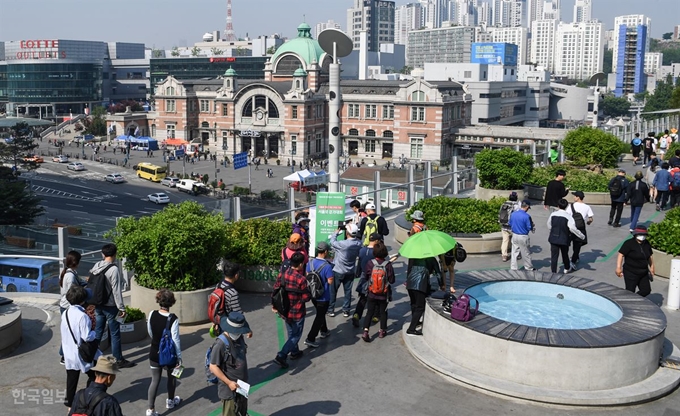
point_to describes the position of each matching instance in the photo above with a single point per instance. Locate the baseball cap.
(370, 206)
(374, 237)
(352, 229)
(295, 238)
(621, 170)
(526, 203)
(579, 194)
(323, 246)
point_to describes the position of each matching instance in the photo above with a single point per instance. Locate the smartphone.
(341, 225)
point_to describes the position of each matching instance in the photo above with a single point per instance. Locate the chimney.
(363, 54)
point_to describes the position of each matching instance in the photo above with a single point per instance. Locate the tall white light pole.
(335, 43)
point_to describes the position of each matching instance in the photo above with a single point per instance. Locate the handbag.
(87, 350)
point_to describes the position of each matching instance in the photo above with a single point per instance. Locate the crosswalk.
(64, 194)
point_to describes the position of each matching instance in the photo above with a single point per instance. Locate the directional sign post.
(241, 161)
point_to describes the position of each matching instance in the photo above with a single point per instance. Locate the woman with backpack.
(68, 277)
(380, 275)
(157, 323)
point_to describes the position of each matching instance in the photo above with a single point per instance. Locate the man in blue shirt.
(662, 182)
(325, 270)
(521, 224)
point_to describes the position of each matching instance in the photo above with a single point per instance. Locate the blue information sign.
(240, 160)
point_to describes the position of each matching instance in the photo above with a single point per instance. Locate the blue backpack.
(167, 353)
(209, 376)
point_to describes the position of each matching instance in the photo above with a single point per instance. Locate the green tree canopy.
(615, 106)
(503, 169)
(667, 36)
(20, 145)
(661, 99)
(96, 122)
(18, 205)
(177, 248)
(587, 145)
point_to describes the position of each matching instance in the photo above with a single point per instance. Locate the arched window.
(353, 132)
(170, 91)
(228, 83)
(272, 110)
(288, 65)
(247, 108)
(418, 96)
(297, 84)
(205, 125)
(370, 133)
(388, 133)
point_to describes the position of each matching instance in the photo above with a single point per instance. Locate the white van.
(192, 187)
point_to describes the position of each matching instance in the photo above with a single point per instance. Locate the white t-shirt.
(583, 209)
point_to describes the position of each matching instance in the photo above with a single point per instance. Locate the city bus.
(151, 172)
(29, 275)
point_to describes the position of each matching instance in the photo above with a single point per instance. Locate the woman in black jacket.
(418, 286)
(638, 194)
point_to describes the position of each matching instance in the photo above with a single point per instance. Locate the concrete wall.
(10, 329)
(190, 307)
(662, 263)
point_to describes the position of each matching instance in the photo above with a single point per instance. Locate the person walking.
(636, 148)
(675, 185)
(359, 213)
(662, 183)
(94, 400)
(344, 272)
(508, 207)
(228, 362)
(372, 223)
(648, 146)
(298, 294)
(638, 194)
(583, 216)
(76, 328)
(555, 191)
(418, 223)
(520, 225)
(324, 268)
(618, 193)
(649, 179)
(380, 275)
(157, 321)
(418, 287)
(113, 307)
(560, 227)
(635, 262)
(365, 255)
(68, 278)
(230, 301)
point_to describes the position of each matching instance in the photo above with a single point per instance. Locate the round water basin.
(544, 305)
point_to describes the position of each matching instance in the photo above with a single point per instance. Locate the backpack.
(285, 265)
(676, 180)
(578, 218)
(314, 280)
(370, 228)
(663, 142)
(280, 300)
(216, 306)
(504, 213)
(167, 352)
(460, 310)
(98, 284)
(209, 376)
(616, 187)
(377, 283)
(81, 408)
(459, 253)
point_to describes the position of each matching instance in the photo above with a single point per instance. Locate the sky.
(163, 24)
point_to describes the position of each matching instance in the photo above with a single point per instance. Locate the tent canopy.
(308, 177)
(175, 142)
(144, 142)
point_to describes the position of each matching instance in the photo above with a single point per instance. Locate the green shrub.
(671, 150)
(586, 145)
(665, 235)
(577, 179)
(241, 191)
(177, 248)
(256, 241)
(133, 315)
(454, 215)
(269, 194)
(503, 169)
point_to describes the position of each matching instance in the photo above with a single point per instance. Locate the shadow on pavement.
(328, 407)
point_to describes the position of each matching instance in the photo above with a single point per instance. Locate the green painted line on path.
(618, 246)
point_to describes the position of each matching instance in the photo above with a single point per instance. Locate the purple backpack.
(460, 310)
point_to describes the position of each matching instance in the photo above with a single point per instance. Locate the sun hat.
(417, 215)
(106, 364)
(234, 323)
(640, 230)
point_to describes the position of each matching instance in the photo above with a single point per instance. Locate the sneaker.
(331, 314)
(345, 314)
(355, 322)
(151, 412)
(610, 222)
(414, 333)
(170, 404)
(125, 363)
(570, 270)
(325, 334)
(505, 258)
(382, 333)
(281, 362)
(296, 355)
(630, 230)
(375, 319)
(366, 337)
(61, 361)
(658, 207)
(617, 225)
(311, 344)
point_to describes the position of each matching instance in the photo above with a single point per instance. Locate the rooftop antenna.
(229, 32)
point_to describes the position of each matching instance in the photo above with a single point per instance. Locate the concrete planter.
(591, 198)
(662, 263)
(473, 243)
(11, 329)
(133, 332)
(535, 192)
(190, 307)
(487, 194)
(258, 279)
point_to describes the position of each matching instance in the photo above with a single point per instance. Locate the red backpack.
(377, 283)
(216, 307)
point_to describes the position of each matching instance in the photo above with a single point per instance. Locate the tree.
(587, 145)
(195, 51)
(615, 107)
(17, 204)
(675, 97)
(503, 169)
(96, 123)
(177, 248)
(216, 51)
(667, 36)
(120, 106)
(271, 50)
(608, 60)
(175, 51)
(661, 99)
(406, 69)
(20, 144)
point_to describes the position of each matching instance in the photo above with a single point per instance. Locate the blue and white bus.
(29, 275)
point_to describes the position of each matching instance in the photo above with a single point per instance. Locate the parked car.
(75, 166)
(159, 198)
(170, 181)
(60, 159)
(34, 159)
(115, 178)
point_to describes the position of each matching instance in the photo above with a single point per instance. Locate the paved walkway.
(345, 376)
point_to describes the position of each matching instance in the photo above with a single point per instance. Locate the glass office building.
(247, 67)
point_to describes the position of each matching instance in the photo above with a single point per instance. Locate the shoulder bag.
(86, 349)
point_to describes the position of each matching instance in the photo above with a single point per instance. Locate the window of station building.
(353, 110)
(371, 111)
(171, 131)
(388, 134)
(319, 141)
(205, 106)
(369, 146)
(417, 113)
(205, 125)
(288, 65)
(353, 132)
(272, 109)
(170, 106)
(293, 144)
(417, 96)
(225, 139)
(169, 90)
(370, 133)
(417, 147)
(192, 105)
(225, 110)
(308, 112)
(388, 112)
(293, 112)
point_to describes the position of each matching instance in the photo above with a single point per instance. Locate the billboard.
(494, 53)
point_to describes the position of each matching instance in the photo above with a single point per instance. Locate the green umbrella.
(429, 243)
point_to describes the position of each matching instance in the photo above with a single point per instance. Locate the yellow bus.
(151, 172)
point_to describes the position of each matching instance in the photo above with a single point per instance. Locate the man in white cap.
(229, 364)
(94, 400)
(372, 223)
(344, 268)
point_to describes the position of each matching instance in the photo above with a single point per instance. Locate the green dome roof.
(303, 45)
(300, 73)
(230, 72)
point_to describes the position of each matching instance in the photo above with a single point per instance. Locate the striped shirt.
(231, 300)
